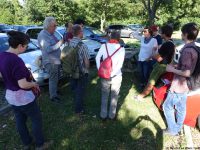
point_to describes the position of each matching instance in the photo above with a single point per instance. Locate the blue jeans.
(21, 114)
(145, 68)
(177, 100)
(54, 73)
(78, 87)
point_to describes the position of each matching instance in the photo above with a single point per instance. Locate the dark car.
(94, 34)
(20, 28)
(123, 29)
(4, 28)
(136, 27)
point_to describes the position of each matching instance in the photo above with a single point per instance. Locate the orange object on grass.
(193, 102)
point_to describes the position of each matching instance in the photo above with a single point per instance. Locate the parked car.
(29, 57)
(92, 45)
(94, 34)
(178, 50)
(125, 31)
(4, 28)
(88, 32)
(20, 28)
(136, 27)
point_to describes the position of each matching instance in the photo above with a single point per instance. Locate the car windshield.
(135, 26)
(31, 47)
(62, 31)
(33, 33)
(4, 45)
(98, 32)
(87, 33)
(2, 27)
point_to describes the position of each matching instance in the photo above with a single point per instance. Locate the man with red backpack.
(109, 61)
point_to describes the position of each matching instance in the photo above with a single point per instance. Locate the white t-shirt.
(20, 97)
(117, 58)
(147, 50)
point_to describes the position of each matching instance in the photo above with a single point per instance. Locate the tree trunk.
(103, 20)
(152, 17)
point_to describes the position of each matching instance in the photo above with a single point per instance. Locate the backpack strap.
(116, 51)
(113, 53)
(194, 47)
(107, 49)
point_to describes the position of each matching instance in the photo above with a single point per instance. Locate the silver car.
(125, 31)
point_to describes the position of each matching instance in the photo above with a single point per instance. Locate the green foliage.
(180, 12)
(101, 13)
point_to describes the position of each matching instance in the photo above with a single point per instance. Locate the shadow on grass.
(71, 132)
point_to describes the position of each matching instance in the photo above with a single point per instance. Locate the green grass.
(138, 125)
(132, 130)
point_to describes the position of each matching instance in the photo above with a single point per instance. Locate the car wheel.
(131, 36)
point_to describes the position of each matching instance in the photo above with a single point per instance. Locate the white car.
(178, 50)
(92, 45)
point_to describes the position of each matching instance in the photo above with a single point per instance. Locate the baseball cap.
(154, 28)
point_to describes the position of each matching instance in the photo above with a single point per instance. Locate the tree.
(62, 10)
(151, 6)
(103, 10)
(6, 12)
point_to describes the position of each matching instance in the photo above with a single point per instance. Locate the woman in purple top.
(18, 90)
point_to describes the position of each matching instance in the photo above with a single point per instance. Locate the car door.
(126, 31)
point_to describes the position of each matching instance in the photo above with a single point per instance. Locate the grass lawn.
(138, 125)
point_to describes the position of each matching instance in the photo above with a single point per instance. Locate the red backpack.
(105, 68)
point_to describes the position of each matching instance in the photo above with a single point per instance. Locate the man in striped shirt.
(79, 85)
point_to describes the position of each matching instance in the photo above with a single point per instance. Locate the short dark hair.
(167, 30)
(79, 21)
(15, 38)
(115, 35)
(166, 51)
(66, 24)
(191, 29)
(149, 30)
(76, 29)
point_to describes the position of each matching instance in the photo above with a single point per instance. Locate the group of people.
(161, 56)
(155, 58)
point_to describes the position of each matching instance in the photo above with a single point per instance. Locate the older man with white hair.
(51, 52)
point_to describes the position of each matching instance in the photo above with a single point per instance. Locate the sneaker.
(56, 100)
(113, 119)
(167, 132)
(59, 93)
(103, 119)
(45, 146)
(27, 147)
